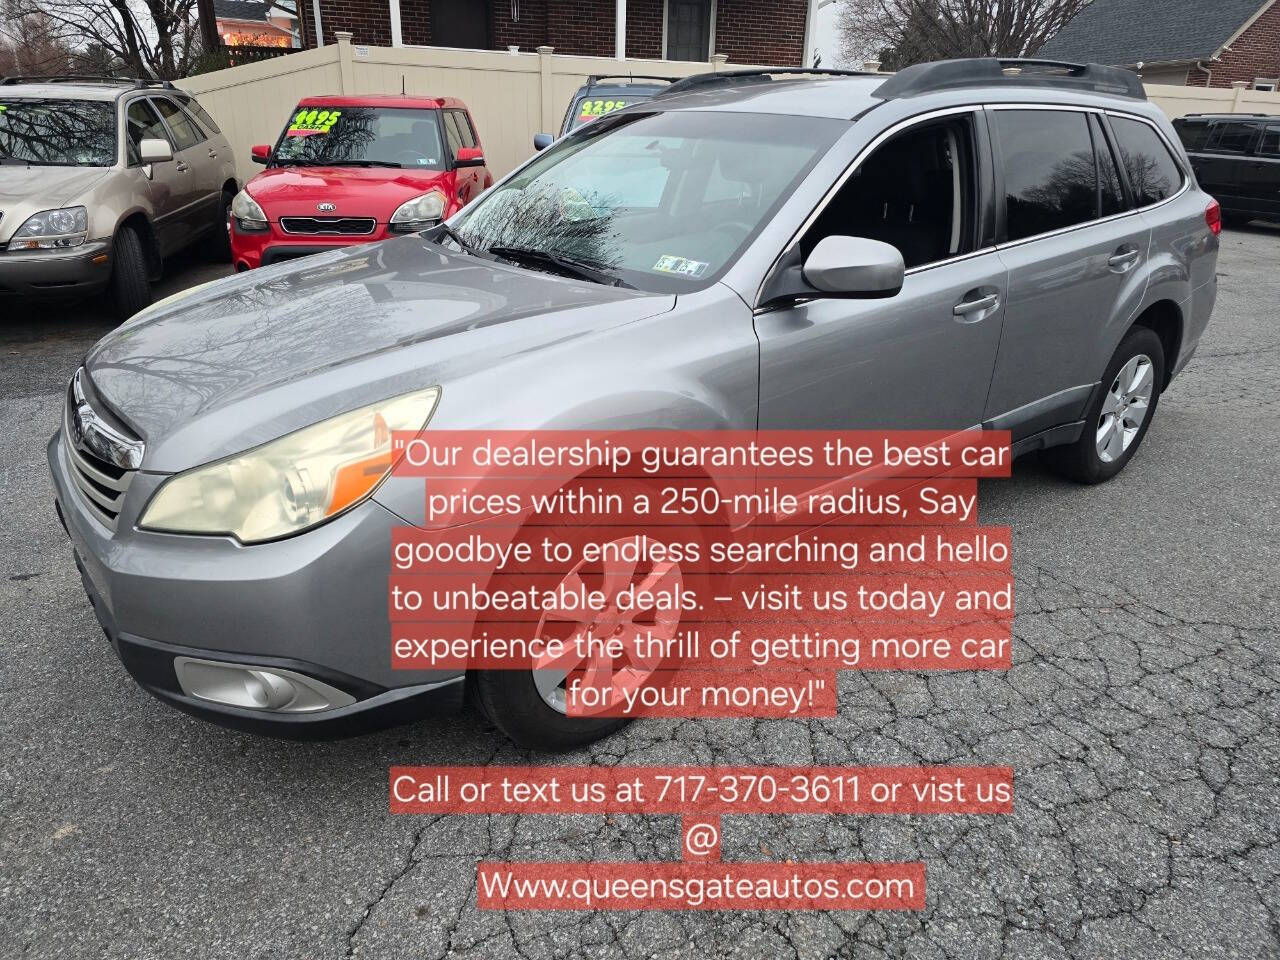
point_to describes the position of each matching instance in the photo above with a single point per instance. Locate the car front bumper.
(314, 604)
(252, 250)
(70, 272)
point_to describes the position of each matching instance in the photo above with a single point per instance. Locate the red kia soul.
(349, 170)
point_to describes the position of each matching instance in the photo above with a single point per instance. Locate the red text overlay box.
(700, 886)
(688, 790)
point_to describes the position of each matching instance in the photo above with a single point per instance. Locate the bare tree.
(149, 38)
(30, 43)
(903, 32)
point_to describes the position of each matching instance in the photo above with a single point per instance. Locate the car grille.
(101, 458)
(338, 226)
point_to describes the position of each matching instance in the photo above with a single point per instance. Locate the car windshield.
(58, 133)
(661, 201)
(362, 136)
(594, 107)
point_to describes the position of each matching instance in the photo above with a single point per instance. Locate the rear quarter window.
(1194, 134)
(1050, 175)
(1153, 173)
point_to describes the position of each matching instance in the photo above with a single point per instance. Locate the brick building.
(1197, 43)
(772, 32)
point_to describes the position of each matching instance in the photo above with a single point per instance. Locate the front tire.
(217, 245)
(1118, 418)
(130, 287)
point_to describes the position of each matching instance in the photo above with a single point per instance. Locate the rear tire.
(217, 245)
(130, 286)
(1119, 416)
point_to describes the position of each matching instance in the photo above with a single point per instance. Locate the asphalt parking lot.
(1142, 719)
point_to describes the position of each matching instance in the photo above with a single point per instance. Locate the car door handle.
(213, 155)
(1123, 259)
(181, 167)
(967, 308)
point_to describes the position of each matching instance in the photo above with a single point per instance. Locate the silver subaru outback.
(100, 180)
(1000, 244)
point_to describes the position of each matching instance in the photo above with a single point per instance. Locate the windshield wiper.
(566, 266)
(358, 163)
(444, 230)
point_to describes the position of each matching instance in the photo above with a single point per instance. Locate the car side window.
(1193, 133)
(1050, 175)
(1153, 173)
(200, 114)
(917, 191)
(1270, 145)
(1231, 136)
(142, 123)
(466, 133)
(1110, 193)
(451, 134)
(185, 134)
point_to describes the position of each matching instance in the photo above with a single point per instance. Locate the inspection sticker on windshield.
(311, 121)
(681, 265)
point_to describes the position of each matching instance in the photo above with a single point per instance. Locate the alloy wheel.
(1125, 408)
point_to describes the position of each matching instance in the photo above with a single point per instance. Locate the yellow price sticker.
(311, 120)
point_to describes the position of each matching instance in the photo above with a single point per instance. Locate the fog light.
(270, 689)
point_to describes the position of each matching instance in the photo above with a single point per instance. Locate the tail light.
(1213, 217)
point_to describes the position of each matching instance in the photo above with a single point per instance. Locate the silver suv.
(982, 243)
(100, 180)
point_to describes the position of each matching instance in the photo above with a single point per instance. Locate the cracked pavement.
(1140, 717)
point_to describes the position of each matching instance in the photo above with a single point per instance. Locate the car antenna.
(402, 93)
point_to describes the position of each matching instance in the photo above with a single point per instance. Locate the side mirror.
(469, 157)
(261, 153)
(542, 140)
(855, 267)
(155, 150)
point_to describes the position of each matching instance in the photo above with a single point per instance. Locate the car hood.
(353, 191)
(26, 190)
(249, 358)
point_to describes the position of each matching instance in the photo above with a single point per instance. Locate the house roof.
(1124, 32)
(255, 10)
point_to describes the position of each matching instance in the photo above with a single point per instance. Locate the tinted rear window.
(1193, 133)
(1231, 136)
(1051, 180)
(1153, 173)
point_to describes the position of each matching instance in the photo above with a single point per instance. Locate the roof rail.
(703, 81)
(85, 78)
(600, 77)
(991, 71)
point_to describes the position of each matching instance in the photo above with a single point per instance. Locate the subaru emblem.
(326, 207)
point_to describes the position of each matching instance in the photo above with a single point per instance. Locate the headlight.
(418, 213)
(293, 483)
(248, 215)
(52, 229)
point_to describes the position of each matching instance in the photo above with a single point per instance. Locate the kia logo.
(326, 207)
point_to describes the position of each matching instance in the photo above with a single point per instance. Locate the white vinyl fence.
(511, 96)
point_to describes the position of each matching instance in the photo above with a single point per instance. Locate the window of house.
(1110, 194)
(185, 134)
(142, 123)
(689, 24)
(1153, 173)
(1268, 85)
(916, 192)
(1231, 136)
(1050, 174)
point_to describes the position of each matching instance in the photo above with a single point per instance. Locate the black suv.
(1236, 157)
